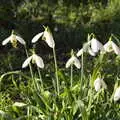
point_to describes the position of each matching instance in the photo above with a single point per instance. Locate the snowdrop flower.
(99, 83)
(84, 49)
(96, 45)
(47, 36)
(80, 52)
(13, 39)
(35, 59)
(117, 94)
(73, 60)
(92, 47)
(91, 52)
(111, 46)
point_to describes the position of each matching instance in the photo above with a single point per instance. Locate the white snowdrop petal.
(108, 46)
(69, 62)
(97, 84)
(80, 52)
(117, 94)
(115, 48)
(38, 61)
(86, 46)
(21, 40)
(36, 37)
(49, 39)
(26, 62)
(103, 84)
(6, 40)
(96, 45)
(77, 63)
(91, 52)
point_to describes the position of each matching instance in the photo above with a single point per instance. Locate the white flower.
(91, 52)
(96, 45)
(13, 39)
(84, 49)
(111, 46)
(92, 47)
(73, 60)
(35, 59)
(86, 46)
(117, 94)
(99, 83)
(80, 52)
(36, 37)
(47, 36)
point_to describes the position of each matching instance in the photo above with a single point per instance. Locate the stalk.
(40, 76)
(71, 77)
(30, 67)
(56, 69)
(81, 72)
(31, 72)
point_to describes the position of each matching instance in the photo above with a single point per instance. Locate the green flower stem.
(71, 77)
(40, 76)
(82, 72)
(29, 63)
(31, 72)
(56, 70)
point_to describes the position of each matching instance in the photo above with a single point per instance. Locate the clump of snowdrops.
(80, 91)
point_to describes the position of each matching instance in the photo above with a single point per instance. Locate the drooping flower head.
(80, 52)
(47, 36)
(13, 39)
(117, 94)
(84, 49)
(96, 45)
(99, 83)
(35, 59)
(93, 46)
(110, 46)
(73, 61)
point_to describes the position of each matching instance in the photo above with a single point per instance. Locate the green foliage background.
(69, 20)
